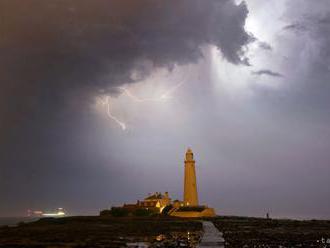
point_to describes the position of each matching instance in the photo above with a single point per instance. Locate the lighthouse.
(190, 197)
(190, 207)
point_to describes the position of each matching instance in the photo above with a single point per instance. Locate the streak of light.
(171, 90)
(163, 97)
(138, 99)
(58, 214)
(106, 102)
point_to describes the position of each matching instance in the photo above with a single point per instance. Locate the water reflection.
(174, 239)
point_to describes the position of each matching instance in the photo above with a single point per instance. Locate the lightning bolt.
(138, 99)
(171, 90)
(163, 97)
(106, 102)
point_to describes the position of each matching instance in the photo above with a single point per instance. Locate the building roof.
(155, 196)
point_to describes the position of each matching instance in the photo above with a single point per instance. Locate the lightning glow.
(138, 99)
(106, 103)
(165, 96)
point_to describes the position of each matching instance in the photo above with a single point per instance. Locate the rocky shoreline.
(102, 232)
(243, 232)
(162, 231)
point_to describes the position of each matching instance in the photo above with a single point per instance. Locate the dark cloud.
(57, 55)
(296, 27)
(267, 72)
(310, 52)
(265, 45)
(51, 50)
(325, 19)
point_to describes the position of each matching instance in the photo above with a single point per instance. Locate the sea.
(13, 221)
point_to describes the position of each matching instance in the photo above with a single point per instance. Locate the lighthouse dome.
(189, 155)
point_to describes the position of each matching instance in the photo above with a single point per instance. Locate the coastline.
(14, 221)
(98, 231)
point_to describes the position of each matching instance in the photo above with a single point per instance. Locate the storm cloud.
(253, 105)
(51, 50)
(265, 45)
(77, 39)
(267, 72)
(57, 55)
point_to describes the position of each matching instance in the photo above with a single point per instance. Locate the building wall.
(207, 212)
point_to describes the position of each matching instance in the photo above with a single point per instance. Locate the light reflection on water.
(174, 239)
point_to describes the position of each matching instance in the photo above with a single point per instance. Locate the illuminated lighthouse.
(190, 197)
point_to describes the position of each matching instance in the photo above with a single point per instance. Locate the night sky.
(99, 100)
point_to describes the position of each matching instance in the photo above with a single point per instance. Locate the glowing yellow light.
(160, 237)
(58, 214)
